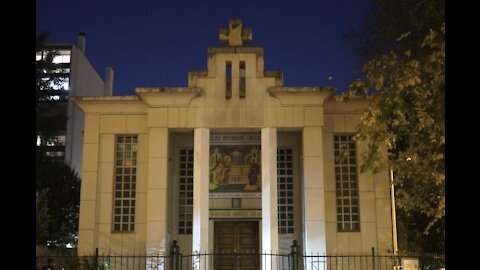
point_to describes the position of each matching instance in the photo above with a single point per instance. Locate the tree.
(406, 116)
(387, 20)
(42, 217)
(393, 40)
(62, 201)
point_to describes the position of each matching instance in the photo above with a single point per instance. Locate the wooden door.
(236, 245)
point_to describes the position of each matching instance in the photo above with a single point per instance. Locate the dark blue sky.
(155, 43)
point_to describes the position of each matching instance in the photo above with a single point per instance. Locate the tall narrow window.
(346, 183)
(125, 183)
(242, 79)
(285, 190)
(185, 204)
(228, 80)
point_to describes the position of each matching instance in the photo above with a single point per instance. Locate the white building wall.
(374, 195)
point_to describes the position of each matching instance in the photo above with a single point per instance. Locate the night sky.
(156, 43)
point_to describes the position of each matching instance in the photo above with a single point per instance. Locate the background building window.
(125, 183)
(62, 57)
(59, 56)
(285, 190)
(346, 183)
(185, 204)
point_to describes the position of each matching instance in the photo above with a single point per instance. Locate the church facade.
(234, 161)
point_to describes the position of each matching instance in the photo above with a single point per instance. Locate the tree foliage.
(401, 46)
(62, 201)
(406, 116)
(42, 216)
(389, 19)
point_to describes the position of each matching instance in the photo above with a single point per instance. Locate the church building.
(236, 160)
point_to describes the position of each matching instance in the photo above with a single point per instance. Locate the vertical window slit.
(228, 80)
(242, 80)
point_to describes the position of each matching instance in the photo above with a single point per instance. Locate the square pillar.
(313, 191)
(88, 189)
(269, 195)
(156, 227)
(201, 155)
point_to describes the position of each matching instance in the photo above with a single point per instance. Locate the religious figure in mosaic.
(254, 153)
(235, 169)
(221, 170)
(253, 175)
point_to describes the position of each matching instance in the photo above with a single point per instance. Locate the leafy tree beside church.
(404, 42)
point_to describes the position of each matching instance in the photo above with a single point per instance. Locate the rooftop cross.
(234, 34)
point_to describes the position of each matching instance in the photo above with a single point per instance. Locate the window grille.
(286, 222)
(185, 204)
(125, 183)
(346, 183)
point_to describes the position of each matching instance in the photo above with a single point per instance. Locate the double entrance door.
(236, 245)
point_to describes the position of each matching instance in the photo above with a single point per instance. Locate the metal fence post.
(174, 255)
(95, 260)
(235, 260)
(373, 258)
(294, 254)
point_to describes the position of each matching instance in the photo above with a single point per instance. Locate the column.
(313, 191)
(87, 241)
(156, 227)
(200, 194)
(269, 195)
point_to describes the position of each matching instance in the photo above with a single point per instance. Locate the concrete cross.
(234, 34)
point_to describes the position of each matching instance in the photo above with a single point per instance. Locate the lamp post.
(394, 214)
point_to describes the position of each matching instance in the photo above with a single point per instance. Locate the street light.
(394, 215)
(394, 212)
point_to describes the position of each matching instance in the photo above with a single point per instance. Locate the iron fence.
(232, 260)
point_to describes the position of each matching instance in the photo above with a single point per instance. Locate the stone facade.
(166, 120)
